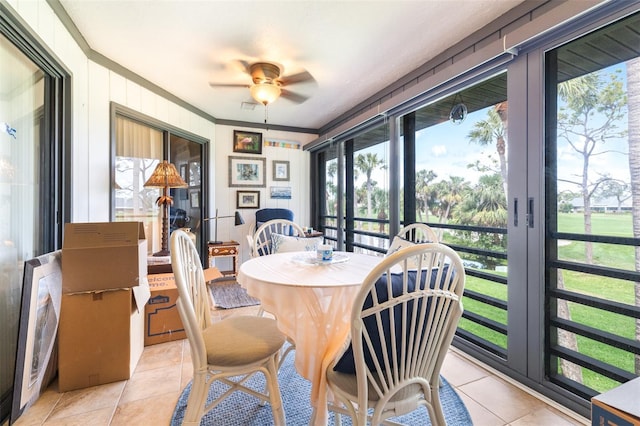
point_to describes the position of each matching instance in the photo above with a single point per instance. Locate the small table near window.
(225, 249)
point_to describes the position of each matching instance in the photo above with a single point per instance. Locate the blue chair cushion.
(265, 215)
(346, 364)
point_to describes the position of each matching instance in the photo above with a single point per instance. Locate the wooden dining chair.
(402, 323)
(234, 346)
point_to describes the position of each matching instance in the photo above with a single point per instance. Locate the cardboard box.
(162, 321)
(103, 255)
(619, 406)
(101, 336)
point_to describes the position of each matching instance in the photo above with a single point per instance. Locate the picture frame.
(194, 174)
(247, 142)
(247, 171)
(36, 363)
(194, 199)
(248, 199)
(280, 192)
(280, 170)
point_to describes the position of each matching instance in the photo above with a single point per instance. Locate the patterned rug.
(240, 409)
(229, 295)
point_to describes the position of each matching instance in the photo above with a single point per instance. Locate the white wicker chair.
(235, 346)
(419, 233)
(406, 320)
(262, 244)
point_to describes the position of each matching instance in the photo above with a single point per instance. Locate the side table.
(225, 249)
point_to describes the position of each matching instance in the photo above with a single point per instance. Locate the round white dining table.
(312, 305)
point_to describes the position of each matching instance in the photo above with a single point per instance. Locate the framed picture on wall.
(247, 171)
(247, 142)
(194, 199)
(281, 192)
(248, 199)
(194, 173)
(280, 170)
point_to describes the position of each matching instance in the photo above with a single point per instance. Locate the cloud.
(439, 150)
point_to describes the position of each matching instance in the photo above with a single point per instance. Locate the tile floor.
(149, 397)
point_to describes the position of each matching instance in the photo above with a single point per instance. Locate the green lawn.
(609, 255)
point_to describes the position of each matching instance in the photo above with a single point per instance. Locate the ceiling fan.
(268, 84)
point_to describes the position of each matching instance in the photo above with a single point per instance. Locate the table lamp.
(165, 176)
(238, 221)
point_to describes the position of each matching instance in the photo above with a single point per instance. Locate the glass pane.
(596, 192)
(138, 151)
(371, 190)
(21, 115)
(186, 211)
(461, 191)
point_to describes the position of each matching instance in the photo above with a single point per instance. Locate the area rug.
(240, 409)
(229, 295)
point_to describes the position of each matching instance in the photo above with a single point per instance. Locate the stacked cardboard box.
(105, 289)
(162, 321)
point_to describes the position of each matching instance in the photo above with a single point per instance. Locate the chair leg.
(197, 400)
(274, 393)
(436, 414)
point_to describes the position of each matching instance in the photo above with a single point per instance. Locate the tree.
(633, 91)
(615, 189)
(331, 191)
(367, 163)
(484, 205)
(589, 118)
(423, 182)
(450, 194)
(494, 128)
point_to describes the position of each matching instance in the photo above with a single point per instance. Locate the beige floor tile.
(150, 411)
(101, 417)
(160, 355)
(458, 371)
(40, 410)
(89, 399)
(501, 398)
(150, 383)
(480, 415)
(545, 416)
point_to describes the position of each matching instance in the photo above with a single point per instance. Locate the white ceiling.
(352, 48)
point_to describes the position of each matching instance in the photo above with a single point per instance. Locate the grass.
(609, 255)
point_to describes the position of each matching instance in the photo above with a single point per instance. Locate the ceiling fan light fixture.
(265, 93)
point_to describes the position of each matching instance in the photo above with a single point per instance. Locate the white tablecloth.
(312, 305)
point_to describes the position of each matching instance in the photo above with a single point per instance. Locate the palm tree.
(331, 191)
(367, 163)
(423, 189)
(633, 94)
(494, 128)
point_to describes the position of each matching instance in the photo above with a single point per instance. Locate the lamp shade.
(239, 220)
(165, 176)
(265, 93)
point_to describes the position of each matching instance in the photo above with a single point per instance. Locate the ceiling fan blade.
(246, 86)
(293, 97)
(242, 65)
(301, 77)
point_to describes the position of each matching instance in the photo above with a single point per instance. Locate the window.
(33, 91)
(140, 144)
(593, 163)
